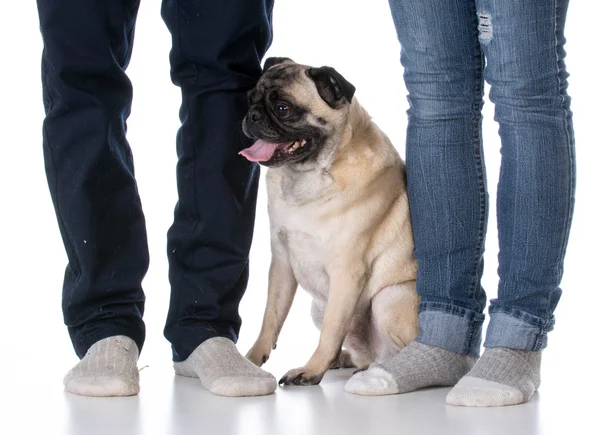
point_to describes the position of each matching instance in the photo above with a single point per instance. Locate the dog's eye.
(282, 110)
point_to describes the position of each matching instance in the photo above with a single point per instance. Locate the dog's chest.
(307, 253)
(297, 204)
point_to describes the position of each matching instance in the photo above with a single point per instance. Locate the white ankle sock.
(109, 368)
(224, 371)
(414, 367)
(501, 377)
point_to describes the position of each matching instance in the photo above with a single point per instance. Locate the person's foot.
(414, 367)
(501, 377)
(109, 368)
(224, 371)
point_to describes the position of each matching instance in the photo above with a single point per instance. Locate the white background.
(355, 37)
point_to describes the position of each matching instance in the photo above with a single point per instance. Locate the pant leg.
(523, 43)
(215, 60)
(443, 66)
(89, 166)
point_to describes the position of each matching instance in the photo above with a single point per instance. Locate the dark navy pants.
(215, 59)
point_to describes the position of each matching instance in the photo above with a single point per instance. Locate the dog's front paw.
(259, 353)
(301, 376)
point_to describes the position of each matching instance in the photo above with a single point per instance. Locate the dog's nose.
(255, 115)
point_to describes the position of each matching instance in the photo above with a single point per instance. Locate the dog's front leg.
(346, 286)
(282, 288)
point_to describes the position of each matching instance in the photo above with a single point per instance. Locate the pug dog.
(339, 219)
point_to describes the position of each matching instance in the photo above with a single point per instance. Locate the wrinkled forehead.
(289, 83)
(284, 73)
(282, 81)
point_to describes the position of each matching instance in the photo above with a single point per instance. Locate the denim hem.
(450, 327)
(516, 329)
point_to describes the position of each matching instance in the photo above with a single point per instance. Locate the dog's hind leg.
(394, 323)
(344, 361)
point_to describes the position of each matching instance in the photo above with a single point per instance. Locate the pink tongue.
(261, 151)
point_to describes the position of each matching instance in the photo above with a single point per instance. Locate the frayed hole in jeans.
(486, 31)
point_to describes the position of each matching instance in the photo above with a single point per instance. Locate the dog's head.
(296, 112)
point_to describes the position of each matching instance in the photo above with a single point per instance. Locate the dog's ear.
(272, 61)
(333, 88)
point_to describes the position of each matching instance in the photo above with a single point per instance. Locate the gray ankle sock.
(109, 368)
(501, 377)
(414, 367)
(224, 371)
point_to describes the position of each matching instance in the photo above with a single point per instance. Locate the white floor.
(35, 348)
(179, 406)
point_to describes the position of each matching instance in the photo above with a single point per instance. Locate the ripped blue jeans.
(448, 49)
